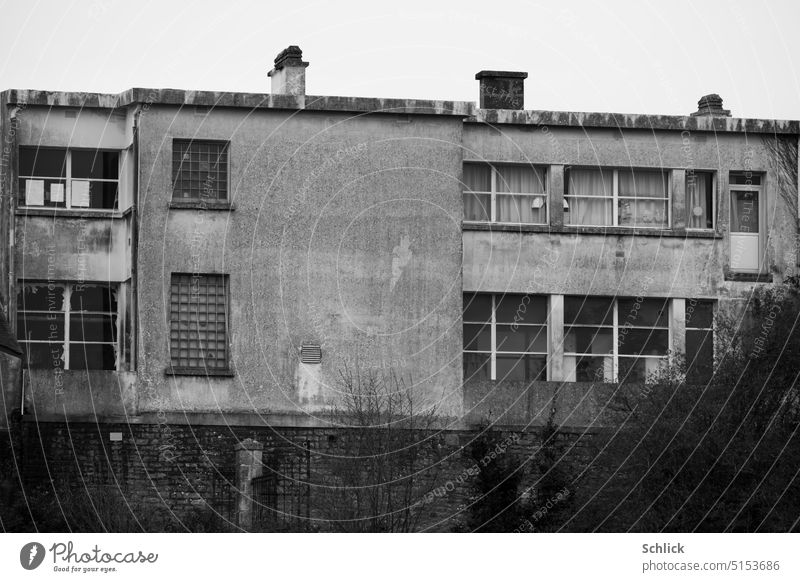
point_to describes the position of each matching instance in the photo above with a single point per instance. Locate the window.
(199, 170)
(198, 322)
(699, 200)
(746, 233)
(68, 178)
(605, 197)
(505, 337)
(607, 339)
(699, 341)
(508, 194)
(70, 326)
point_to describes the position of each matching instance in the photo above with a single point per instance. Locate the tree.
(722, 456)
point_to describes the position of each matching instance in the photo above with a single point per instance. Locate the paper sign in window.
(34, 192)
(56, 192)
(80, 194)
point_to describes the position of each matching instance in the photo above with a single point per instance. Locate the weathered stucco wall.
(679, 265)
(346, 232)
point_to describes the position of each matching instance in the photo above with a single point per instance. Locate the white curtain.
(642, 184)
(477, 178)
(595, 189)
(698, 202)
(520, 180)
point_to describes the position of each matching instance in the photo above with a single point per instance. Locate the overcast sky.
(630, 57)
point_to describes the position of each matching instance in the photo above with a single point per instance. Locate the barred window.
(68, 326)
(199, 170)
(198, 322)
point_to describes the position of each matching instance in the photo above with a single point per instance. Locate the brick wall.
(179, 477)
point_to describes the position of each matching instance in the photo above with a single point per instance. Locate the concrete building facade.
(195, 259)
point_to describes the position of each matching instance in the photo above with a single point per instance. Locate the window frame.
(200, 199)
(694, 328)
(68, 179)
(615, 197)
(66, 311)
(760, 190)
(493, 351)
(494, 192)
(223, 370)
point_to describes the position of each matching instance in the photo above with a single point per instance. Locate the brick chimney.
(711, 106)
(289, 73)
(502, 89)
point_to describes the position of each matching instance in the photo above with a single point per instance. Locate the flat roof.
(468, 110)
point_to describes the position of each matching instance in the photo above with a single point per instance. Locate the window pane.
(477, 207)
(588, 310)
(699, 314)
(44, 192)
(520, 179)
(589, 211)
(40, 326)
(521, 309)
(44, 356)
(521, 368)
(638, 369)
(40, 297)
(478, 177)
(93, 327)
(643, 342)
(643, 213)
(95, 164)
(478, 337)
(589, 368)
(745, 179)
(93, 298)
(477, 307)
(476, 366)
(589, 340)
(521, 209)
(699, 200)
(42, 162)
(590, 182)
(525, 338)
(91, 357)
(744, 211)
(643, 183)
(699, 356)
(645, 313)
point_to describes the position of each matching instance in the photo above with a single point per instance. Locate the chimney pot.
(502, 89)
(289, 73)
(711, 106)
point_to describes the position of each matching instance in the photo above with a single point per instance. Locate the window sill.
(71, 212)
(571, 229)
(175, 371)
(200, 205)
(748, 277)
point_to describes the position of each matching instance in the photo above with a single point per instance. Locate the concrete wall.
(345, 232)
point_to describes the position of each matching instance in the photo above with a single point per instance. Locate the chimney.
(711, 106)
(289, 74)
(502, 89)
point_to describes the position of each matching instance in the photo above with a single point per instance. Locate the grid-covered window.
(198, 322)
(199, 170)
(513, 194)
(68, 178)
(608, 197)
(606, 339)
(699, 341)
(505, 337)
(71, 326)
